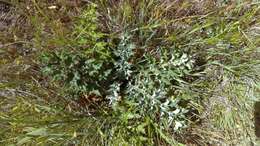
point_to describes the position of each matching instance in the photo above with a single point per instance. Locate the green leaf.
(38, 132)
(23, 141)
(128, 116)
(141, 128)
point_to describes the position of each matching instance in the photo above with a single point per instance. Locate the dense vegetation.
(129, 72)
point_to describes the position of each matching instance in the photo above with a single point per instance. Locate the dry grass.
(228, 88)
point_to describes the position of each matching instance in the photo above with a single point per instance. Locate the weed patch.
(135, 73)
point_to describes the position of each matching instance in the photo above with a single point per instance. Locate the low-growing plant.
(118, 72)
(151, 68)
(166, 72)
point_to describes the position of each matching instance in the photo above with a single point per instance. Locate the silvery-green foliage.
(94, 66)
(113, 95)
(152, 87)
(124, 52)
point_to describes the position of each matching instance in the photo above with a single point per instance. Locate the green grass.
(213, 93)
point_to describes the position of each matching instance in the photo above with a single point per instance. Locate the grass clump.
(144, 73)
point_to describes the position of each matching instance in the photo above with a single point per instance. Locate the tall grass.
(157, 73)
